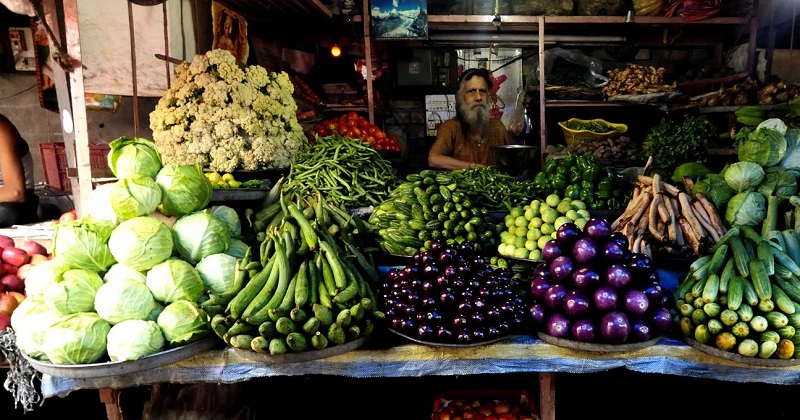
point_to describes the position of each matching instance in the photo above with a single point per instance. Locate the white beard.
(475, 117)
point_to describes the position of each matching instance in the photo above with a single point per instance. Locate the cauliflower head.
(226, 116)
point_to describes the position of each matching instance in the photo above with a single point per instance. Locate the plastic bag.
(593, 76)
(517, 122)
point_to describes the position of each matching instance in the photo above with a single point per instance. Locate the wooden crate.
(54, 163)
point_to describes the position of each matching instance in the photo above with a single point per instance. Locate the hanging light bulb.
(335, 50)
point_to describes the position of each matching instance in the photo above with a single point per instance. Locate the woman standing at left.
(18, 203)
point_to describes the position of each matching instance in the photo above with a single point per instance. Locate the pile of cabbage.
(768, 166)
(123, 283)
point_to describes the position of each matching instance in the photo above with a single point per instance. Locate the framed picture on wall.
(399, 19)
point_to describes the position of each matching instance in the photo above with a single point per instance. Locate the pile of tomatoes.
(357, 127)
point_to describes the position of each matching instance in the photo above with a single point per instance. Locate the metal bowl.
(514, 159)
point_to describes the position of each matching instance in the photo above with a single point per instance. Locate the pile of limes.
(532, 225)
(225, 180)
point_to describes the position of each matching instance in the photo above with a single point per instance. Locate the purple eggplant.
(636, 302)
(585, 278)
(615, 327)
(598, 229)
(558, 325)
(605, 298)
(584, 330)
(585, 251)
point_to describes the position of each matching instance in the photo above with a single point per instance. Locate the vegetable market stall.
(518, 354)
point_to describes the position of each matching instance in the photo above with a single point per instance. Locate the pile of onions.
(591, 288)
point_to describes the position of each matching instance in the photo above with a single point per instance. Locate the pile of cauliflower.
(225, 116)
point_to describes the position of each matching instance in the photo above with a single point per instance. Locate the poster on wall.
(399, 19)
(230, 32)
(505, 71)
(48, 98)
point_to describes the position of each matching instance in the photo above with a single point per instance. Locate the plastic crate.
(54, 162)
(571, 136)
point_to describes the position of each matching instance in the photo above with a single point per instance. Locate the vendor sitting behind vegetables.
(466, 140)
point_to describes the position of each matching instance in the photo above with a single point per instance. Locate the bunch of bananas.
(750, 115)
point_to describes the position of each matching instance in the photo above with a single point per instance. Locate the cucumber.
(766, 349)
(718, 259)
(740, 256)
(749, 292)
(759, 323)
(711, 288)
(784, 259)
(764, 253)
(760, 278)
(728, 317)
(776, 319)
(792, 244)
(297, 342)
(727, 272)
(782, 301)
(735, 293)
(787, 331)
(740, 329)
(725, 341)
(770, 335)
(748, 347)
(745, 312)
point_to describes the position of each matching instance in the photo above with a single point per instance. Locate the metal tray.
(435, 344)
(96, 370)
(736, 357)
(303, 356)
(596, 347)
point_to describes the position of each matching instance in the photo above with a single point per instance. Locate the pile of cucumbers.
(308, 287)
(744, 297)
(431, 206)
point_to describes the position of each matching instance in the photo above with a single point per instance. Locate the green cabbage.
(217, 272)
(764, 146)
(123, 271)
(715, 189)
(98, 204)
(123, 299)
(175, 279)
(83, 243)
(30, 320)
(153, 315)
(230, 217)
(185, 189)
(141, 242)
(778, 182)
(792, 158)
(136, 195)
(76, 339)
(131, 156)
(74, 292)
(746, 208)
(134, 339)
(183, 322)
(200, 234)
(776, 124)
(744, 176)
(237, 248)
(42, 275)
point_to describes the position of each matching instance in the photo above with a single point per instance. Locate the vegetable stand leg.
(547, 395)
(111, 398)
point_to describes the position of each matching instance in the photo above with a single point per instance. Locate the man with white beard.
(466, 141)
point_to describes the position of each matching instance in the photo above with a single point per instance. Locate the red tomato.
(363, 124)
(350, 133)
(369, 139)
(342, 129)
(343, 119)
(331, 126)
(379, 134)
(322, 132)
(68, 216)
(372, 130)
(352, 115)
(356, 132)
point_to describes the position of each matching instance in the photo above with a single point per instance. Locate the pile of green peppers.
(582, 177)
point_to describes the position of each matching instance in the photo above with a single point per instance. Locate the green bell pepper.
(550, 166)
(573, 192)
(558, 182)
(606, 184)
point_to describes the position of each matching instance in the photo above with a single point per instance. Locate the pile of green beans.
(493, 189)
(347, 171)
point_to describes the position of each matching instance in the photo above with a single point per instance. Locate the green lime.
(581, 222)
(560, 221)
(519, 242)
(552, 200)
(572, 215)
(509, 239)
(534, 234)
(535, 255)
(521, 231)
(564, 206)
(531, 213)
(521, 253)
(530, 244)
(516, 212)
(520, 221)
(547, 229)
(535, 204)
(549, 216)
(501, 249)
(543, 240)
(578, 205)
(509, 220)
(536, 223)
(584, 214)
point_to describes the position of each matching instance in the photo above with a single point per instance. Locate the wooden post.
(110, 397)
(547, 396)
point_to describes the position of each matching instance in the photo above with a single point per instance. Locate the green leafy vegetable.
(185, 189)
(74, 292)
(715, 188)
(141, 242)
(123, 299)
(183, 322)
(744, 176)
(764, 146)
(133, 156)
(174, 279)
(76, 339)
(83, 243)
(746, 208)
(200, 234)
(134, 339)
